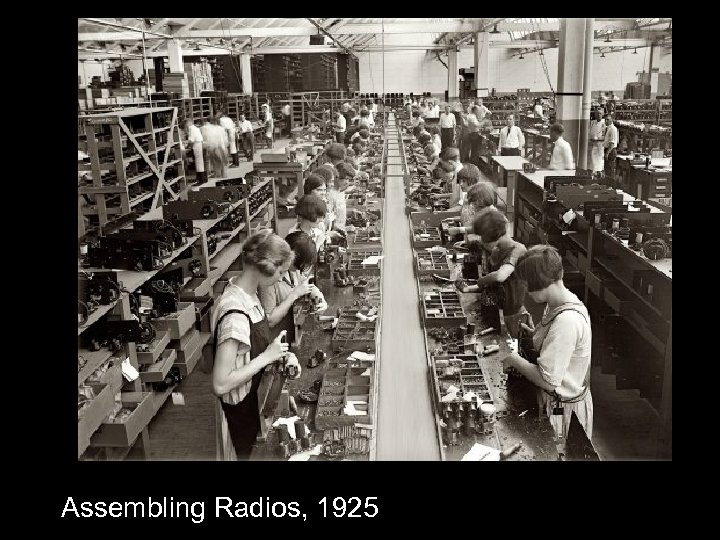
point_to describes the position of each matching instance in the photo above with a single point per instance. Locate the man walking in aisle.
(286, 118)
(216, 143)
(229, 126)
(512, 139)
(610, 145)
(447, 127)
(562, 158)
(195, 140)
(247, 138)
(340, 126)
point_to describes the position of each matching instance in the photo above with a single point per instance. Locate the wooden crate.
(338, 388)
(443, 309)
(93, 416)
(425, 237)
(156, 372)
(352, 333)
(188, 358)
(432, 262)
(123, 434)
(355, 266)
(155, 348)
(177, 323)
(364, 238)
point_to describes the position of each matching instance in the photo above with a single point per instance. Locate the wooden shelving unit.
(499, 109)
(195, 108)
(238, 104)
(614, 281)
(107, 441)
(139, 151)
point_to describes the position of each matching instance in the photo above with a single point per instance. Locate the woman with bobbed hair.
(278, 299)
(563, 338)
(310, 211)
(243, 348)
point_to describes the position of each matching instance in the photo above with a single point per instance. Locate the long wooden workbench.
(629, 296)
(518, 417)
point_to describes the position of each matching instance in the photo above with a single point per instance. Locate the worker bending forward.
(563, 339)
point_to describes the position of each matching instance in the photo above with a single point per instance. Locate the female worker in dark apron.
(563, 340)
(243, 345)
(279, 298)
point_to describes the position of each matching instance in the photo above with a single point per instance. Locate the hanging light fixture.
(635, 51)
(197, 47)
(607, 38)
(542, 53)
(494, 30)
(521, 57)
(602, 55)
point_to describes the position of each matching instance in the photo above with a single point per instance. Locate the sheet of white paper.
(373, 259)
(359, 355)
(568, 216)
(366, 373)
(128, 371)
(305, 456)
(289, 422)
(480, 452)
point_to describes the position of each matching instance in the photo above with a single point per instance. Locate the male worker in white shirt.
(436, 109)
(247, 139)
(225, 122)
(610, 145)
(286, 118)
(597, 138)
(195, 140)
(447, 127)
(215, 140)
(562, 158)
(340, 126)
(512, 140)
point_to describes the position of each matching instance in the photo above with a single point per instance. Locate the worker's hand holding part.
(277, 349)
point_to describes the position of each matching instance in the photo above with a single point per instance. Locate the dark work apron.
(288, 321)
(244, 418)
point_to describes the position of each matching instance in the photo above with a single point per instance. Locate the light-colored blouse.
(565, 344)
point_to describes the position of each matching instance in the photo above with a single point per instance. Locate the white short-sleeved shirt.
(236, 326)
(194, 135)
(565, 345)
(562, 158)
(227, 123)
(340, 124)
(246, 126)
(611, 137)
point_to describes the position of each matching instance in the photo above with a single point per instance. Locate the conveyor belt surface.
(405, 422)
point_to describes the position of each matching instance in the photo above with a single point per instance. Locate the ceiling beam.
(211, 51)
(346, 29)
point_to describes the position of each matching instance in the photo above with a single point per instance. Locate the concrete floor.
(625, 425)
